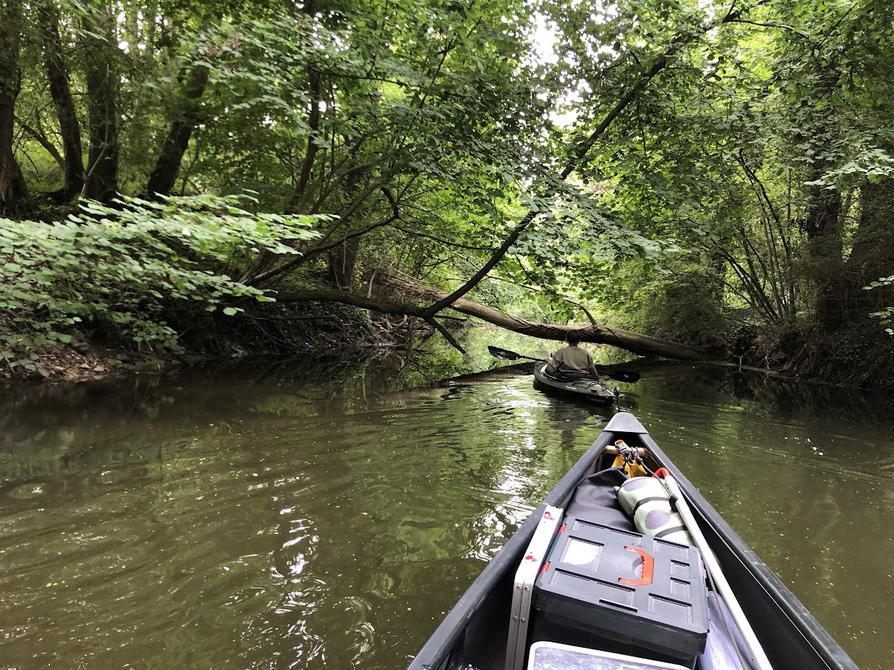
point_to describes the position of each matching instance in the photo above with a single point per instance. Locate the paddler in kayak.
(571, 359)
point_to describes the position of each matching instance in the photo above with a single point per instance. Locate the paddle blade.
(622, 375)
(503, 353)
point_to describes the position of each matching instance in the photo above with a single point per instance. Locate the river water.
(286, 516)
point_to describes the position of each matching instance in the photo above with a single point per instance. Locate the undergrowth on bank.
(117, 271)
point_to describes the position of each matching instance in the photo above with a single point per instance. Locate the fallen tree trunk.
(636, 343)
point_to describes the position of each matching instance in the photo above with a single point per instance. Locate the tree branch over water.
(680, 40)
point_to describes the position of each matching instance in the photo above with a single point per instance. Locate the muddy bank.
(316, 330)
(859, 356)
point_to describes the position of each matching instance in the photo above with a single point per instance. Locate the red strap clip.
(662, 472)
(648, 569)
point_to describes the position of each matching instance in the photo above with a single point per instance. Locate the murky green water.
(274, 518)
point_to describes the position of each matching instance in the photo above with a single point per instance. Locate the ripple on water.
(27, 492)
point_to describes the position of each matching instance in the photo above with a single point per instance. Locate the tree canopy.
(673, 165)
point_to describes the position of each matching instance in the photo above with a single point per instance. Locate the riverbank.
(270, 331)
(315, 330)
(860, 357)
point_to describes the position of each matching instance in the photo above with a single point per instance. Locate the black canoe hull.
(594, 392)
(474, 631)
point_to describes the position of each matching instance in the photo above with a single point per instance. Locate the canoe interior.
(473, 635)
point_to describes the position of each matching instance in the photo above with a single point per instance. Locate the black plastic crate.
(635, 591)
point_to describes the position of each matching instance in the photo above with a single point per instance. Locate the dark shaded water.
(266, 519)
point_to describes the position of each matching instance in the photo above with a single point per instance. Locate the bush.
(120, 269)
(886, 314)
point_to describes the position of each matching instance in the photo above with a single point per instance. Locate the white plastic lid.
(555, 656)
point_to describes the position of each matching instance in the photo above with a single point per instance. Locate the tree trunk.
(313, 122)
(343, 262)
(13, 191)
(872, 255)
(60, 91)
(625, 339)
(102, 96)
(162, 179)
(824, 253)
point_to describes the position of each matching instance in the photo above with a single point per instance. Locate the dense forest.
(692, 179)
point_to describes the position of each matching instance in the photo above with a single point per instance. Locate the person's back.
(572, 358)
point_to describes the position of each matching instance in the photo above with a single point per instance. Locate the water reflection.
(308, 518)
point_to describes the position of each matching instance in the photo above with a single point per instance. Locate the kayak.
(575, 385)
(582, 584)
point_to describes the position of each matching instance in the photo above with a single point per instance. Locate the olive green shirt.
(573, 357)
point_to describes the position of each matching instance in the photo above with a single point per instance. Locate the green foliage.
(121, 269)
(720, 161)
(430, 128)
(871, 164)
(886, 315)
